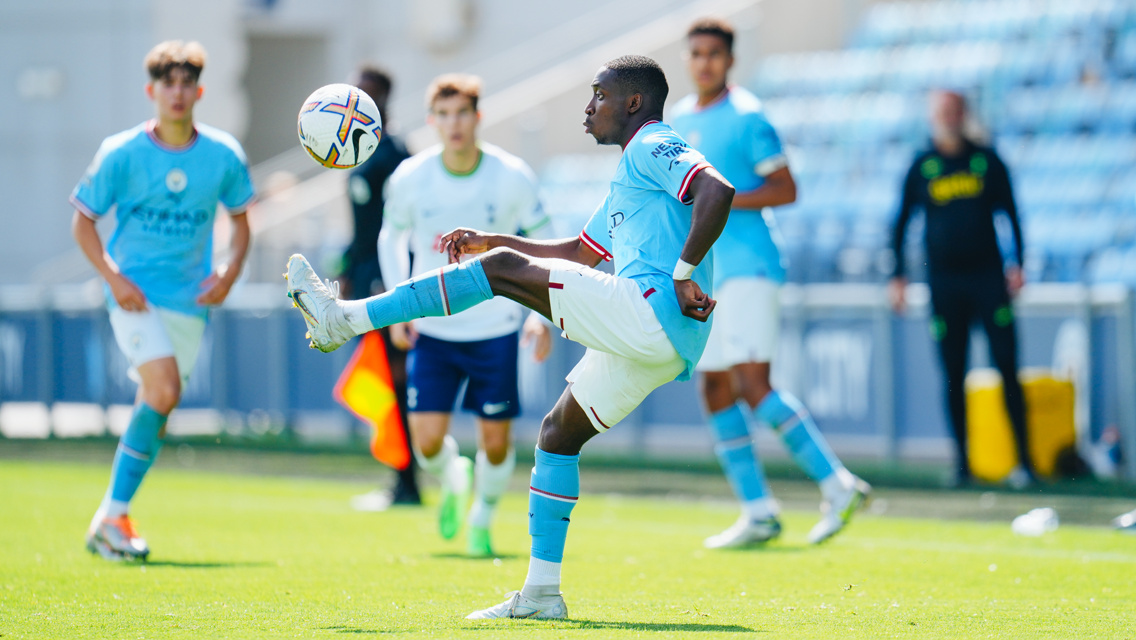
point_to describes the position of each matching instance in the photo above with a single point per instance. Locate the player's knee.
(163, 395)
(496, 450)
(428, 442)
(502, 262)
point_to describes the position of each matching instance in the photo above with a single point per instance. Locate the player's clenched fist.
(127, 294)
(464, 241)
(693, 302)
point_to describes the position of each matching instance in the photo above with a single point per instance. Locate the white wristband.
(683, 270)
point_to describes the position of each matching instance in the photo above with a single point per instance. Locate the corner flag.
(365, 389)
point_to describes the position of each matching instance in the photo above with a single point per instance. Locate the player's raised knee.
(503, 262)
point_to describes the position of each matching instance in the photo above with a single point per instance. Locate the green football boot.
(457, 488)
(477, 543)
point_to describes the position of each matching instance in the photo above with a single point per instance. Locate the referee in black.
(960, 186)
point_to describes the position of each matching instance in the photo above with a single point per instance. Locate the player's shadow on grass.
(451, 555)
(203, 565)
(681, 627)
(657, 627)
(758, 548)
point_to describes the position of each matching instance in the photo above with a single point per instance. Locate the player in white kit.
(461, 182)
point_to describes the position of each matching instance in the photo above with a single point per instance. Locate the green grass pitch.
(239, 556)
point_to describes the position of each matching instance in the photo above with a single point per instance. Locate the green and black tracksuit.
(960, 195)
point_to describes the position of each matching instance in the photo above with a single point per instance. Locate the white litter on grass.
(1035, 523)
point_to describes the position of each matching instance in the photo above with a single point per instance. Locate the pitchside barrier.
(871, 378)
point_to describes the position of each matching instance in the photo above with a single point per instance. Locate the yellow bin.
(1049, 422)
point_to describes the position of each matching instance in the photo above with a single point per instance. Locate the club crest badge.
(176, 180)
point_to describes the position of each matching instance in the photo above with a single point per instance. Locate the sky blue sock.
(799, 432)
(734, 447)
(440, 292)
(137, 450)
(553, 491)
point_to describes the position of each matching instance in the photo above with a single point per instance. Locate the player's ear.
(150, 90)
(200, 91)
(634, 103)
(729, 62)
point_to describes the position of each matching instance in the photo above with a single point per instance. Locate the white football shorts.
(145, 336)
(629, 355)
(747, 324)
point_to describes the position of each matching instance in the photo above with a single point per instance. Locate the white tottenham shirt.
(426, 200)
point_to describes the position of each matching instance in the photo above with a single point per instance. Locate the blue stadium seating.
(1053, 82)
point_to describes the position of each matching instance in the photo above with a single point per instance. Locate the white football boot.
(518, 606)
(746, 531)
(837, 513)
(1125, 523)
(328, 328)
(117, 539)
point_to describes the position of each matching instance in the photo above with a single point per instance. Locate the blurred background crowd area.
(1052, 84)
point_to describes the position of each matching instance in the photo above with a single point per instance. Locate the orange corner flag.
(365, 389)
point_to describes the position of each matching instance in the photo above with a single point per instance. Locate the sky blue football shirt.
(166, 200)
(738, 140)
(643, 223)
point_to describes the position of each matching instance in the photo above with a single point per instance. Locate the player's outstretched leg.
(758, 522)
(489, 485)
(112, 533)
(455, 474)
(332, 322)
(843, 492)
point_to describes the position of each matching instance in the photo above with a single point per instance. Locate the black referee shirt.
(960, 195)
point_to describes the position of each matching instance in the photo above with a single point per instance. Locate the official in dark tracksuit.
(361, 273)
(961, 185)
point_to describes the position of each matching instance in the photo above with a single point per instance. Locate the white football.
(340, 126)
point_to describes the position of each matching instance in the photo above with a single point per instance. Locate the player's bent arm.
(713, 196)
(220, 282)
(778, 189)
(468, 242)
(126, 294)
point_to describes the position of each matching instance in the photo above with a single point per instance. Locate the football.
(339, 126)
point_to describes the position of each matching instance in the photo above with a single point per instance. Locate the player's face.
(948, 113)
(456, 121)
(175, 95)
(708, 61)
(606, 113)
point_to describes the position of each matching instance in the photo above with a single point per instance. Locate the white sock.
(357, 317)
(490, 481)
(840, 481)
(101, 512)
(760, 509)
(116, 508)
(437, 464)
(543, 580)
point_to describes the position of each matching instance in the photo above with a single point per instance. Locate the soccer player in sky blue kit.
(727, 125)
(643, 327)
(163, 179)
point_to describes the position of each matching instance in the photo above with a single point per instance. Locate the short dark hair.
(377, 76)
(454, 84)
(713, 27)
(175, 54)
(640, 74)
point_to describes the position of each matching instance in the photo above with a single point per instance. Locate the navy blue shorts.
(437, 369)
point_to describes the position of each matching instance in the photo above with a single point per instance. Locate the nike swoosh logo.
(491, 408)
(303, 307)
